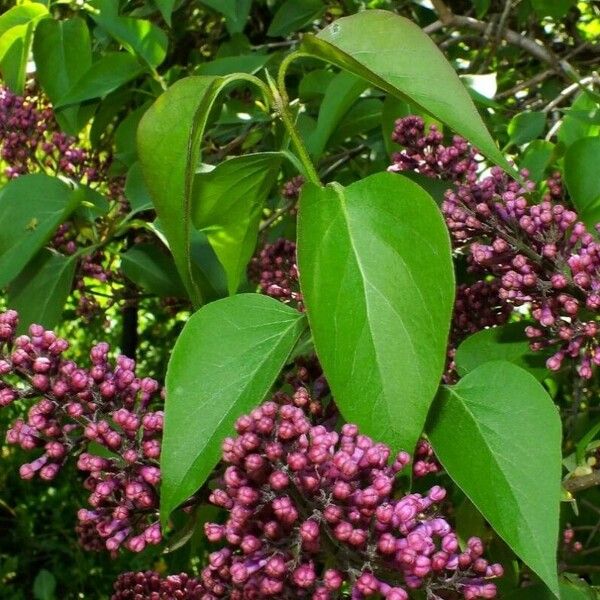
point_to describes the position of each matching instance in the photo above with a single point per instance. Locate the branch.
(583, 482)
(449, 19)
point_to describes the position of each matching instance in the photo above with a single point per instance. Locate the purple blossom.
(535, 253)
(74, 407)
(296, 492)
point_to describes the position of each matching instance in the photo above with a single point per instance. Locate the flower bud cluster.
(425, 152)
(276, 272)
(149, 585)
(291, 189)
(478, 306)
(539, 253)
(29, 138)
(76, 408)
(298, 494)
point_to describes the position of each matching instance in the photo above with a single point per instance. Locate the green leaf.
(364, 116)
(227, 206)
(293, 15)
(62, 52)
(568, 591)
(578, 121)
(125, 143)
(526, 126)
(245, 63)
(223, 364)
(395, 55)
(537, 158)
(39, 293)
(31, 208)
(506, 342)
(481, 7)
(341, 94)
(582, 178)
(139, 36)
(21, 15)
(44, 586)
(508, 461)
(176, 121)
(553, 8)
(135, 190)
(153, 270)
(106, 75)
(235, 12)
(377, 278)
(16, 34)
(14, 52)
(166, 9)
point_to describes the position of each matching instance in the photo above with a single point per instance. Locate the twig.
(538, 78)
(570, 90)
(448, 19)
(582, 482)
(276, 215)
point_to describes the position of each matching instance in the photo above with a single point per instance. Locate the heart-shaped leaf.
(508, 461)
(223, 364)
(377, 278)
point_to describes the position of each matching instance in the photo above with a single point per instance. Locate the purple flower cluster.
(538, 253)
(276, 272)
(30, 141)
(298, 494)
(76, 407)
(425, 152)
(149, 585)
(476, 307)
(292, 188)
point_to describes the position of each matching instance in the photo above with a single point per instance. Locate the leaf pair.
(225, 203)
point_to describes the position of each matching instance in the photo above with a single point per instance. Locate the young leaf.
(227, 206)
(106, 75)
(223, 364)
(31, 208)
(153, 270)
(537, 158)
(21, 15)
(506, 342)
(235, 12)
(139, 36)
(39, 293)
(575, 124)
(377, 278)
(44, 586)
(16, 32)
(62, 52)
(166, 9)
(582, 177)
(526, 126)
(393, 54)
(498, 435)
(341, 94)
(176, 121)
(293, 15)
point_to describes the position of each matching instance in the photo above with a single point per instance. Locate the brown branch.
(449, 19)
(582, 482)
